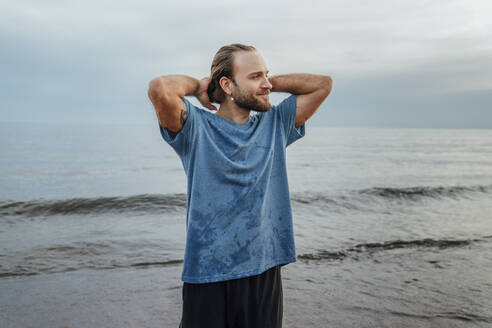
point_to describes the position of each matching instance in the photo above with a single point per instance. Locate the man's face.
(252, 87)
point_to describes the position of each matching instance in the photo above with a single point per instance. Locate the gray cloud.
(92, 61)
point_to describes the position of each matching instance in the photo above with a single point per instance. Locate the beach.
(392, 227)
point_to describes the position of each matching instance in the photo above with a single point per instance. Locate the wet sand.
(428, 289)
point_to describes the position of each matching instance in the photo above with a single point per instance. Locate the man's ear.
(225, 84)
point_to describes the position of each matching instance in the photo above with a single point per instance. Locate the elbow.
(155, 85)
(157, 88)
(327, 84)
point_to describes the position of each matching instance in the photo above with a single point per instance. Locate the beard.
(250, 101)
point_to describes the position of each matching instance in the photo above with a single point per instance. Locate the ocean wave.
(113, 255)
(357, 199)
(158, 203)
(25, 270)
(146, 203)
(423, 191)
(84, 255)
(389, 245)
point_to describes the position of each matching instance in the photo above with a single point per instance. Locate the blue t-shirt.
(239, 218)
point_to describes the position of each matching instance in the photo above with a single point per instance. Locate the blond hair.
(222, 65)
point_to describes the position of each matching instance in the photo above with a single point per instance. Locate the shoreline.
(397, 288)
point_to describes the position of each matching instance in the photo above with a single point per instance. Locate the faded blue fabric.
(239, 217)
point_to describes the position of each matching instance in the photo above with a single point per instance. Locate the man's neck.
(232, 112)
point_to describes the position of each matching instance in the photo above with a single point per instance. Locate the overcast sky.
(424, 64)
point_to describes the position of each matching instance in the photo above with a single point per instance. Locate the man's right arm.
(166, 94)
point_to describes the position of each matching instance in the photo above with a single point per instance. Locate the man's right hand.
(201, 93)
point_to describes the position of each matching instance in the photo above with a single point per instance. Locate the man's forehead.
(248, 62)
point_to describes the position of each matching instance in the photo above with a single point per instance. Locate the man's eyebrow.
(257, 73)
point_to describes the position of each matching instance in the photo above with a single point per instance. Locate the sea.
(393, 227)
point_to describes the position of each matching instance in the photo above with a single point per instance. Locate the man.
(239, 228)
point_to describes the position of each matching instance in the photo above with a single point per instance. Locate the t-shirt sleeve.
(287, 112)
(182, 140)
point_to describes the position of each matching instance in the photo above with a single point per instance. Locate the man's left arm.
(311, 91)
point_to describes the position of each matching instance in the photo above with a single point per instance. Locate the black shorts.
(255, 301)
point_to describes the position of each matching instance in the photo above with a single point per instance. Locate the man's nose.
(266, 83)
